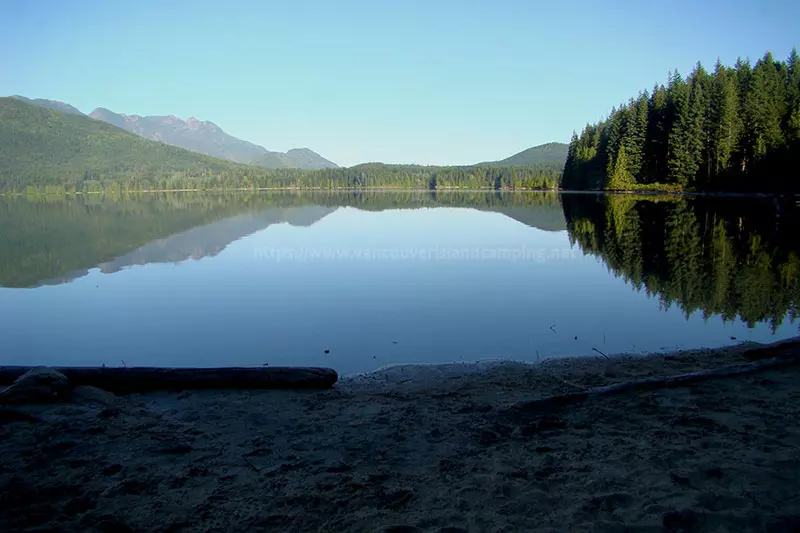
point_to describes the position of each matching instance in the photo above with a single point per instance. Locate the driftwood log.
(144, 379)
(782, 354)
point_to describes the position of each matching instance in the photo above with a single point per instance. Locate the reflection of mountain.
(544, 219)
(211, 239)
(725, 256)
(52, 242)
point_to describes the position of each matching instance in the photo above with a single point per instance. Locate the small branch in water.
(601, 353)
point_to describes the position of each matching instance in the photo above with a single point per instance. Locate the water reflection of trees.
(54, 240)
(726, 256)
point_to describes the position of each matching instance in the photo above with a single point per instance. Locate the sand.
(419, 449)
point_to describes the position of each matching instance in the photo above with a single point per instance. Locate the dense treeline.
(735, 129)
(373, 175)
(43, 150)
(735, 257)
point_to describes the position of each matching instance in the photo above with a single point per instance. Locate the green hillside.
(49, 104)
(40, 147)
(544, 154)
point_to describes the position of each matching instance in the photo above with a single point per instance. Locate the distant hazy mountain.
(550, 153)
(49, 104)
(295, 158)
(207, 138)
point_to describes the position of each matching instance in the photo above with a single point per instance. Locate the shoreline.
(644, 192)
(439, 448)
(429, 376)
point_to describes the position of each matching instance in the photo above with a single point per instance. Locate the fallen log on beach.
(145, 379)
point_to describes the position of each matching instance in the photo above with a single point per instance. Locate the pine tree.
(679, 151)
(792, 115)
(612, 138)
(697, 139)
(636, 136)
(767, 105)
(620, 178)
(725, 124)
(569, 176)
(657, 135)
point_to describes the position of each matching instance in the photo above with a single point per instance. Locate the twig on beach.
(791, 357)
(250, 463)
(601, 353)
(565, 382)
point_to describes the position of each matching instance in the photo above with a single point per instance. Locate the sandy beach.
(436, 449)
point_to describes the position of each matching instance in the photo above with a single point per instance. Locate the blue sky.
(406, 81)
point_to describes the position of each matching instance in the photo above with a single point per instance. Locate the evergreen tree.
(569, 176)
(636, 135)
(791, 127)
(657, 136)
(725, 124)
(766, 106)
(679, 156)
(697, 138)
(620, 178)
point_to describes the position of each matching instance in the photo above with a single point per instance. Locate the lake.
(359, 280)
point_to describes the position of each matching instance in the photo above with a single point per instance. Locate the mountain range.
(199, 136)
(207, 138)
(52, 146)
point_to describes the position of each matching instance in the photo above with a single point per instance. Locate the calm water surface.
(384, 278)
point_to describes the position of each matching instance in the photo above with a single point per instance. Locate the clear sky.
(405, 81)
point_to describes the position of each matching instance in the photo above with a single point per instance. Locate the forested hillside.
(543, 154)
(49, 104)
(42, 148)
(735, 129)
